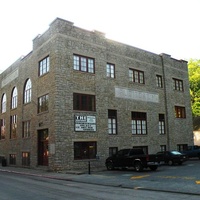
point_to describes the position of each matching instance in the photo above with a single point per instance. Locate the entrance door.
(43, 147)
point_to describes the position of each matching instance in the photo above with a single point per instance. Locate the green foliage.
(194, 79)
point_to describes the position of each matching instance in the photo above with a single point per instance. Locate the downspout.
(166, 103)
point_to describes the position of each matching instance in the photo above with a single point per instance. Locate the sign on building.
(85, 123)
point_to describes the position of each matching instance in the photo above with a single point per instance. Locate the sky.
(158, 26)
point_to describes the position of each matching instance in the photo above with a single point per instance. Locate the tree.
(194, 79)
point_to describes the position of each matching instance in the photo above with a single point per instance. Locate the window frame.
(110, 70)
(14, 98)
(3, 103)
(3, 129)
(113, 151)
(44, 66)
(12, 159)
(159, 81)
(139, 123)
(83, 63)
(85, 150)
(178, 84)
(161, 124)
(25, 158)
(180, 112)
(112, 122)
(84, 102)
(26, 129)
(13, 126)
(27, 91)
(43, 103)
(136, 76)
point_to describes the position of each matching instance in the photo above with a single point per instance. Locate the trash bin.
(3, 162)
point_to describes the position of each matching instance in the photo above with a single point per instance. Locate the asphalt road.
(22, 187)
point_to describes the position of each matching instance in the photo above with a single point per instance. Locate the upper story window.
(84, 102)
(27, 91)
(136, 76)
(84, 64)
(14, 98)
(110, 70)
(13, 126)
(161, 124)
(112, 122)
(177, 84)
(139, 123)
(3, 129)
(43, 103)
(3, 103)
(159, 82)
(180, 112)
(26, 129)
(44, 66)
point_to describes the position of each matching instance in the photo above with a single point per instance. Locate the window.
(3, 104)
(43, 103)
(177, 84)
(136, 76)
(27, 91)
(180, 112)
(144, 148)
(85, 150)
(25, 158)
(26, 129)
(3, 129)
(182, 147)
(139, 123)
(163, 148)
(159, 82)
(113, 150)
(13, 128)
(112, 122)
(110, 70)
(84, 102)
(84, 64)
(161, 124)
(12, 159)
(14, 99)
(44, 66)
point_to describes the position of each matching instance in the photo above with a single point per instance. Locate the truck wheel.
(109, 166)
(153, 168)
(138, 166)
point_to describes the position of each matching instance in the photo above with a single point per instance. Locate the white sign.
(136, 95)
(85, 123)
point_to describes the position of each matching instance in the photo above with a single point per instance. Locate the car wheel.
(170, 162)
(110, 166)
(153, 168)
(138, 166)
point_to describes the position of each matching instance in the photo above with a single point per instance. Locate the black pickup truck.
(192, 151)
(135, 158)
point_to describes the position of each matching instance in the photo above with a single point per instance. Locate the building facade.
(78, 97)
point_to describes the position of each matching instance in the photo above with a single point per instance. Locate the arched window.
(14, 98)
(27, 91)
(3, 104)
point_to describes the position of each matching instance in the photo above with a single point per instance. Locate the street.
(23, 187)
(16, 186)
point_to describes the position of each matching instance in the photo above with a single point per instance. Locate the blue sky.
(158, 26)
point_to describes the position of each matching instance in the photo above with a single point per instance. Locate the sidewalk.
(107, 179)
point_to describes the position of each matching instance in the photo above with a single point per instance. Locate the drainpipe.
(166, 103)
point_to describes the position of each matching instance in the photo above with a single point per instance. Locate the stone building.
(78, 96)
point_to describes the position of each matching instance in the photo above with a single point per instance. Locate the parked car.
(172, 157)
(192, 151)
(135, 158)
